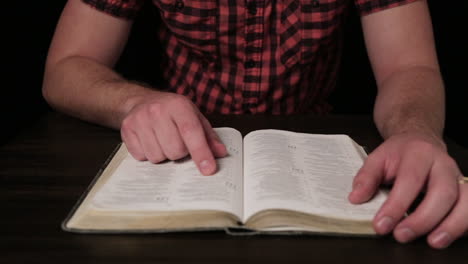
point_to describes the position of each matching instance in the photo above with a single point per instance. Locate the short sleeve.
(127, 9)
(366, 7)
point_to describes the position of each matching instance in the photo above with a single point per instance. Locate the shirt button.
(252, 7)
(179, 5)
(316, 3)
(249, 64)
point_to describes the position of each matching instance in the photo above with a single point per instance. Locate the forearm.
(411, 100)
(90, 91)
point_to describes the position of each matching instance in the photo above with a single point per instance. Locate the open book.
(271, 181)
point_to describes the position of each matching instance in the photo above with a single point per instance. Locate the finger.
(169, 139)
(411, 176)
(216, 145)
(454, 225)
(368, 178)
(150, 144)
(441, 195)
(133, 144)
(193, 135)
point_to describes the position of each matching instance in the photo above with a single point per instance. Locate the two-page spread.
(271, 181)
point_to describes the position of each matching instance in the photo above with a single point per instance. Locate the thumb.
(217, 146)
(368, 179)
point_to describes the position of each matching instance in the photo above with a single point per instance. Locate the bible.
(272, 181)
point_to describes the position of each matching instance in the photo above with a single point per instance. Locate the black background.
(29, 26)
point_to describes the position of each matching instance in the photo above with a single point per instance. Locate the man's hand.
(169, 126)
(415, 162)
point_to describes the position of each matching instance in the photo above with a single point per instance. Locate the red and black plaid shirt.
(251, 56)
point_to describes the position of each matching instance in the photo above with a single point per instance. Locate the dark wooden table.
(45, 169)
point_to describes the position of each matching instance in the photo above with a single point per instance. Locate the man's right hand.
(169, 126)
(79, 81)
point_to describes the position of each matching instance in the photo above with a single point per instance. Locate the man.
(275, 57)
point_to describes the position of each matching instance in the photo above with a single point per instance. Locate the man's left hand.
(415, 162)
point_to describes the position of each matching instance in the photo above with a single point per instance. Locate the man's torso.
(252, 56)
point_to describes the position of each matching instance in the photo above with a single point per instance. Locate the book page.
(303, 172)
(176, 185)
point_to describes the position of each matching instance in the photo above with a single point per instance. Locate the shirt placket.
(254, 28)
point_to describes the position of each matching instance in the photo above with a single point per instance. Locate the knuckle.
(136, 154)
(176, 151)
(418, 225)
(398, 208)
(373, 158)
(199, 152)
(155, 156)
(189, 127)
(449, 194)
(421, 146)
(176, 155)
(126, 124)
(415, 179)
(155, 109)
(139, 119)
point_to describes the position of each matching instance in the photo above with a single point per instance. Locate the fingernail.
(385, 224)
(404, 234)
(205, 167)
(352, 197)
(441, 240)
(356, 188)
